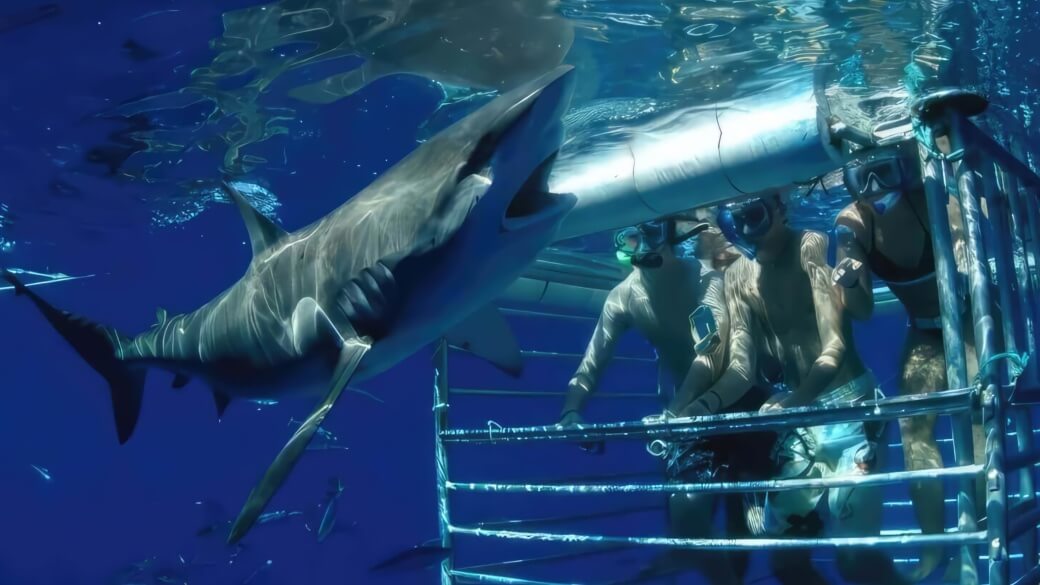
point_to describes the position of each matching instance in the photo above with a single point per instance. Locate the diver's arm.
(859, 298)
(708, 367)
(738, 376)
(828, 322)
(613, 322)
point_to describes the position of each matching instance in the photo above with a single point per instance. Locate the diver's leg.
(690, 516)
(792, 513)
(924, 370)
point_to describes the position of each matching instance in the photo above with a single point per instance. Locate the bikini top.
(914, 286)
(895, 274)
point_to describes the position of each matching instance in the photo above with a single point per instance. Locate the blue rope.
(1019, 361)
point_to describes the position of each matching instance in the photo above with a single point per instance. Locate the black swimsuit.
(916, 284)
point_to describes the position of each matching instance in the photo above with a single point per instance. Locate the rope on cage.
(1019, 361)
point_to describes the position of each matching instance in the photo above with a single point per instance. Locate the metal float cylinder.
(686, 158)
(694, 157)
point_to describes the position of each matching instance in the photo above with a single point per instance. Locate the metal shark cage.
(1002, 248)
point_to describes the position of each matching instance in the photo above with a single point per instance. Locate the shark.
(418, 255)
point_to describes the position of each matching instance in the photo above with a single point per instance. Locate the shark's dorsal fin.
(262, 231)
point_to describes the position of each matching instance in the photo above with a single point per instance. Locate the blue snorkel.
(728, 227)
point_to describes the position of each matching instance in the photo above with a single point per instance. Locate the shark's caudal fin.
(95, 344)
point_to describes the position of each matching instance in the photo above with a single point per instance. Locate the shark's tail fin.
(97, 345)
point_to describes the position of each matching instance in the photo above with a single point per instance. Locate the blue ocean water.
(81, 197)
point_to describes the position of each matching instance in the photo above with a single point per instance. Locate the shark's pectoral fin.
(262, 231)
(352, 351)
(486, 334)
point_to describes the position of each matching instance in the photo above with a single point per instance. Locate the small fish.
(328, 518)
(46, 475)
(276, 515)
(264, 401)
(418, 557)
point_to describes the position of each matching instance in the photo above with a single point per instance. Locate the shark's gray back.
(408, 211)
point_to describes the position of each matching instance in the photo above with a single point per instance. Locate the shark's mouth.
(533, 201)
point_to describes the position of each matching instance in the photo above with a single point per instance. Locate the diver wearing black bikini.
(889, 210)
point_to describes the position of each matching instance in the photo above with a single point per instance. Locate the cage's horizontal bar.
(720, 487)
(952, 538)
(535, 353)
(472, 577)
(945, 402)
(547, 393)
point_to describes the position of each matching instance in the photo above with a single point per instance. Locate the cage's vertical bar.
(936, 170)
(1012, 300)
(440, 424)
(985, 349)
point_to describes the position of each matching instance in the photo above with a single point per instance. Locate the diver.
(656, 298)
(780, 297)
(885, 231)
(664, 297)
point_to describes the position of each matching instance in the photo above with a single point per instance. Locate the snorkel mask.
(640, 246)
(745, 222)
(881, 178)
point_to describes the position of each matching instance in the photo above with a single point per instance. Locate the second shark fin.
(351, 352)
(486, 334)
(262, 231)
